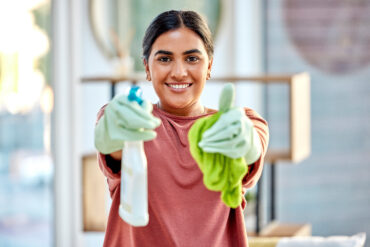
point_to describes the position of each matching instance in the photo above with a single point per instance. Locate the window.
(26, 100)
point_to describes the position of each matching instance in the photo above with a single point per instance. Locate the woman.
(178, 55)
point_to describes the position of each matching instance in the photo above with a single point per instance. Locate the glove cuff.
(102, 141)
(255, 150)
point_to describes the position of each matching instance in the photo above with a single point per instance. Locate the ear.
(209, 68)
(147, 71)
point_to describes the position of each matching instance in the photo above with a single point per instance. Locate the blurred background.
(53, 52)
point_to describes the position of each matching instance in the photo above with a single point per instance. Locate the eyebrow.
(192, 51)
(163, 52)
(171, 53)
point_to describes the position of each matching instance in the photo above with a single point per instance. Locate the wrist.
(116, 155)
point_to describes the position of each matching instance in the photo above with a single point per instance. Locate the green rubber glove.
(233, 134)
(124, 120)
(220, 172)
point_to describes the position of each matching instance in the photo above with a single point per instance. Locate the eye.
(192, 59)
(164, 59)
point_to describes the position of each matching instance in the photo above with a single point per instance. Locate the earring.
(148, 77)
(208, 76)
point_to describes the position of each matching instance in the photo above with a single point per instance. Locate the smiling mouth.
(179, 85)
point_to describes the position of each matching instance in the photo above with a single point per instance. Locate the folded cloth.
(357, 240)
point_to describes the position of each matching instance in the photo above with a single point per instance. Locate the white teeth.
(179, 85)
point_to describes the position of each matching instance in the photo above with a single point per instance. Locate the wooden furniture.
(94, 194)
(273, 232)
(277, 229)
(299, 130)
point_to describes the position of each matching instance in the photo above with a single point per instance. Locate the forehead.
(179, 40)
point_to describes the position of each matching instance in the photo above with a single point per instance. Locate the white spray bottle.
(133, 206)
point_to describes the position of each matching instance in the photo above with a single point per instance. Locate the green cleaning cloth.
(220, 172)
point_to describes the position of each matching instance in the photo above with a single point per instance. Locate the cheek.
(159, 72)
(199, 72)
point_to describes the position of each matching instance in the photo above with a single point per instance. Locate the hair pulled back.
(174, 19)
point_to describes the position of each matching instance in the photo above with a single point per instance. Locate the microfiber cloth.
(220, 173)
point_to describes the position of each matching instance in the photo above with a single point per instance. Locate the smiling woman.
(178, 56)
(178, 67)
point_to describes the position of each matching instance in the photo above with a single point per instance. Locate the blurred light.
(47, 100)
(22, 43)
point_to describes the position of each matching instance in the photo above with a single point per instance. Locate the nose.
(179, 71)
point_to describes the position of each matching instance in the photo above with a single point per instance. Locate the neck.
(190, 111)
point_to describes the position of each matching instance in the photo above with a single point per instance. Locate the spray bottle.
(133, 206)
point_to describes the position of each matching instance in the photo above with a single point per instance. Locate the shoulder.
(259, 122)
(252, 114)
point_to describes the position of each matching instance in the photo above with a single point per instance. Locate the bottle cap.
(135, 94)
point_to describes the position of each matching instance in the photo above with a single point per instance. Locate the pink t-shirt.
(182, 212)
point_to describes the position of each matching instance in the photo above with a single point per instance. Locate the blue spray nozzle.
(135, 94)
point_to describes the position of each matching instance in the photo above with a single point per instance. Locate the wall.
(330, 189)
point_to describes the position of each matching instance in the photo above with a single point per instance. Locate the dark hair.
(173, 19)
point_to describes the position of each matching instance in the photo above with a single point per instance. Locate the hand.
(233, 135)
(212, 139)
(124, 120)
